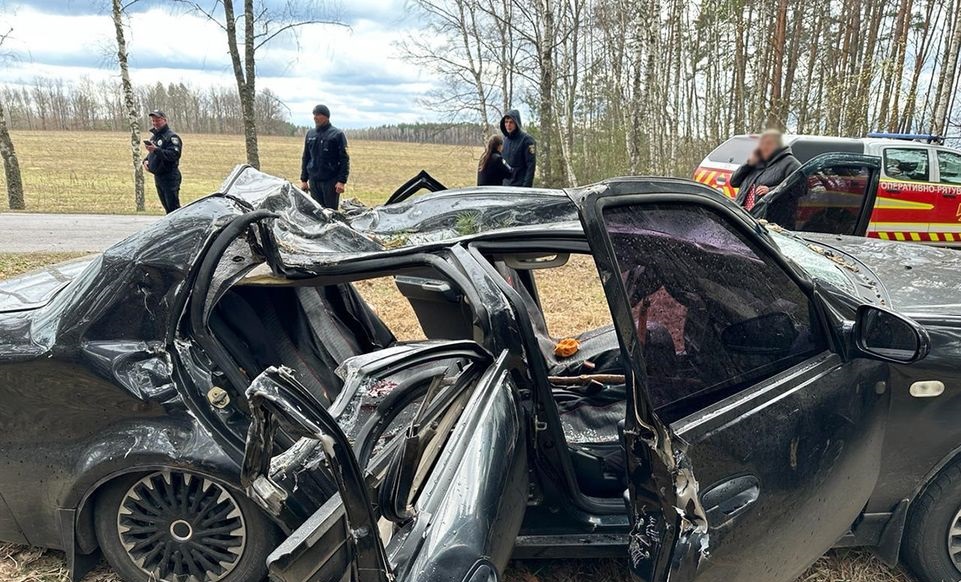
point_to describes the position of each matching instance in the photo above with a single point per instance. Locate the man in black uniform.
(326, 164)
(518, 151)
(163, 160)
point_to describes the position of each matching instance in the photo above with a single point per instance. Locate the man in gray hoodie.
(767, 167)
(519, 151)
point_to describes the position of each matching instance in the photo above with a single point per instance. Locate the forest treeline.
(647, 86)
(55, 104)
(463, 134)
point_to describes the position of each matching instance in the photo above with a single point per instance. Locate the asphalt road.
(22, 232)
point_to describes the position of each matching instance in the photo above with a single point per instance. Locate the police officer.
(518, 151)
(163, 160)
(326, 163)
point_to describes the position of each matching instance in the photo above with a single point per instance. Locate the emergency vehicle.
(918, 193)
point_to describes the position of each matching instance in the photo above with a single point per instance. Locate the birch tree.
(118, 9)
(262, 22)
(11, 165)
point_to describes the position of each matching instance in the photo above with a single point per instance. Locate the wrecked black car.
(218, 396)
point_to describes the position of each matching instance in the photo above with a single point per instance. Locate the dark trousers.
(324, 193)
(168, 188)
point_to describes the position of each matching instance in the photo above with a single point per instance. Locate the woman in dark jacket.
(492, 169)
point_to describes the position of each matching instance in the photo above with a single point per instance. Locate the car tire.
(175, 526)
(934, 523)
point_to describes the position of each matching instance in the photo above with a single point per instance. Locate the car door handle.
(728, 499)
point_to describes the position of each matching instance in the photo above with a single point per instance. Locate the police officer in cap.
(326, 163)
(163, 160)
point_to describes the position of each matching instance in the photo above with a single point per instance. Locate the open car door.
(833, 193)
(429, 485)
(752, 444)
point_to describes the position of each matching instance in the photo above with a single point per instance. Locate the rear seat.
(311, 330)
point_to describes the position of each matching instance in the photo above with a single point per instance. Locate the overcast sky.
(356, 70)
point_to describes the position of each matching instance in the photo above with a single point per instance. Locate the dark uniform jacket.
(518, 153)
(494, 172)
(770, 173)
(166, 158)
(325, 155)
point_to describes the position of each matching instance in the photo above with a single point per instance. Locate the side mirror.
(884, 335)
(768, 334)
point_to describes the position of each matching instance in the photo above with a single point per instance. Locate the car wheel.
(179, 527)
(932, 540)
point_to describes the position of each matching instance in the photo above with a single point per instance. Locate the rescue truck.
(918, 192)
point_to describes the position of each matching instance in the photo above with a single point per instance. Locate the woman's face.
(500, 147)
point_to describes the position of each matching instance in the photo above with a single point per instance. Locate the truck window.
(949, 163)
(736, 150)
(909, 164)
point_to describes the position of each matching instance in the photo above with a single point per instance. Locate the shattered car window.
(711, 314)
(815, 264)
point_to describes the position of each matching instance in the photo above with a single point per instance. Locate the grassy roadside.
(564, 317)
(94, 175)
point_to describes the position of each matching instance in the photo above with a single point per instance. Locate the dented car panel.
(228, 340)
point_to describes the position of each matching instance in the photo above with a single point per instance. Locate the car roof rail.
(925, 137)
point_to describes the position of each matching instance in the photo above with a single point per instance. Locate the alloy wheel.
(180, 527)
(954, 539)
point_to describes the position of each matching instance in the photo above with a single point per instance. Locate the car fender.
(150, 445)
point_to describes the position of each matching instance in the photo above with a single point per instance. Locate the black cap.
(157, 113)
(322, 110)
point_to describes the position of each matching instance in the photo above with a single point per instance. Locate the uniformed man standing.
(163, 160)
(326, 163)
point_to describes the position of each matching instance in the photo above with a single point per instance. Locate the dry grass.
(92, 173)
(573, 301)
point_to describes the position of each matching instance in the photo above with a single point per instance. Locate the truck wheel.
(932, 539)
(178, 527)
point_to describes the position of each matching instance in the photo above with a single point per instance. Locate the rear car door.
(440, 496)
(946, 229)
(833, 193)
(765, 447)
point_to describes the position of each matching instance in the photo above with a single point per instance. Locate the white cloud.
(357, 71)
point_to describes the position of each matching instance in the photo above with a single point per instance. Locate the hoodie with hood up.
(518, 153)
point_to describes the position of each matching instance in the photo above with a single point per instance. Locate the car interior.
(312, 326)
(687, 357)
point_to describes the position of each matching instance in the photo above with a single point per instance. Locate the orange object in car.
(567, 347)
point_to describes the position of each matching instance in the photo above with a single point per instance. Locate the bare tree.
(263, 21)
(11, 165)
(129, 102)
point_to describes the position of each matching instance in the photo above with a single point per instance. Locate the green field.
(91, 171)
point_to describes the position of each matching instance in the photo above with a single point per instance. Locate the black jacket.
(494, 172)
(519, 153)
(770, 173)
(166, 158)
(325, 155)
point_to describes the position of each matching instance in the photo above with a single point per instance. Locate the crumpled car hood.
(918, 278)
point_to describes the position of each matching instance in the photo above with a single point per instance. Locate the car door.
(908, 204)
(832, 193)
(441, 501)
(765, 447)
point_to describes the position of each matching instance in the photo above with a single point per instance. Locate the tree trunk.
(11, 167)
(133, 116)
(244, 74)
(944, 96)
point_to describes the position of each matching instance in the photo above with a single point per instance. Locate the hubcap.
(181, 528)
(954, 540)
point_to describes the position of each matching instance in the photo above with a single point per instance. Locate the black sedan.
(215, 398)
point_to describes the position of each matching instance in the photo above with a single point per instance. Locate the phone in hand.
(147, 142)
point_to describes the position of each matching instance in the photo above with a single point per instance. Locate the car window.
(816, 265)
(734, 151)
(574, 283)
(949, 165)
(806, 149)
(712, 313)
(909, 164)
(829, 200)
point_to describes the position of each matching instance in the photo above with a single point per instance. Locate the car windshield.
(817, 265)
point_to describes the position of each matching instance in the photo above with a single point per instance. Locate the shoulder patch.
(530, 148)
(175, 140)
